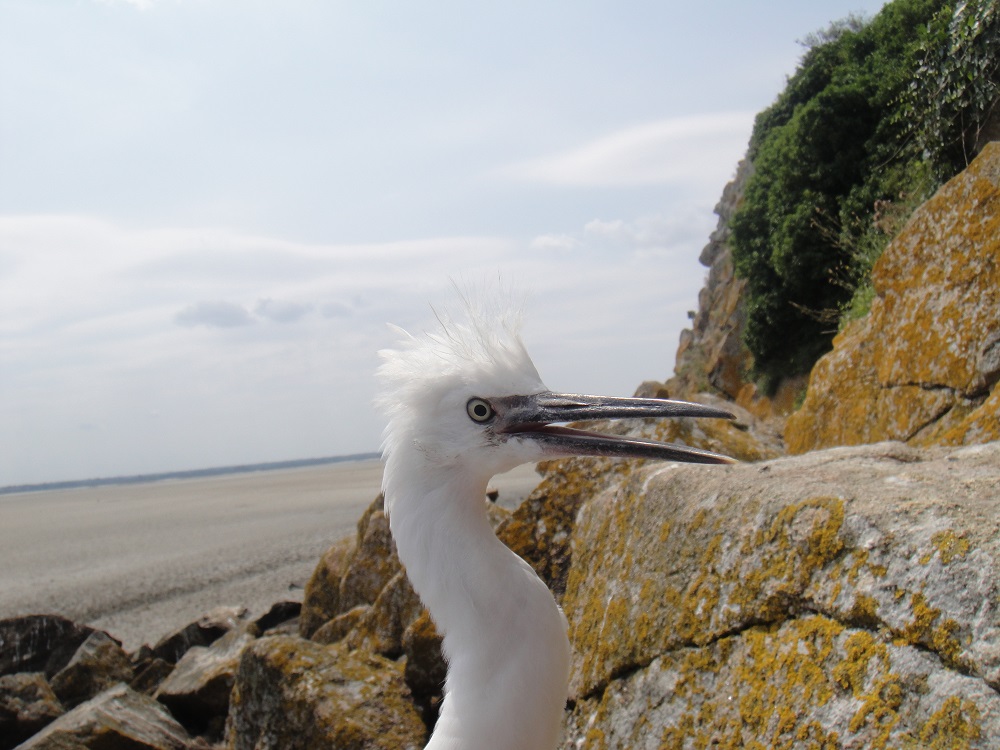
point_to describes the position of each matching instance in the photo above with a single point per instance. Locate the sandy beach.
(141, 560)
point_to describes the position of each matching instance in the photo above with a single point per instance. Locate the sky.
(210, 209)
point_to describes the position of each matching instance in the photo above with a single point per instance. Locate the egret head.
(436, 391)
(468, 398)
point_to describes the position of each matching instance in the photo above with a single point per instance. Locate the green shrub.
(956, 87)
(828, 151)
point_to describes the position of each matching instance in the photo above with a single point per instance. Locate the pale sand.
(142, 560)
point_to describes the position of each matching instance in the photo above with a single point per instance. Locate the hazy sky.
(209, 209)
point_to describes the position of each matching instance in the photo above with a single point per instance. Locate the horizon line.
(184, 473)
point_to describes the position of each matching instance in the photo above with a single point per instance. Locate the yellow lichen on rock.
(949, 546)
(823, 601)
(292, 694)
(954, 726)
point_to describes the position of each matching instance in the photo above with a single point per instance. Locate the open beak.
(537, 417)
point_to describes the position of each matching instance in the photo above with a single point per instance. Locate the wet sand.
(141, 560)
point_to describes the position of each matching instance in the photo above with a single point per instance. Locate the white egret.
(462, 404)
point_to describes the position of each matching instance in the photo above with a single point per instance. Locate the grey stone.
(117, 719)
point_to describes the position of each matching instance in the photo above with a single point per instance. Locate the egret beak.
(535, 417)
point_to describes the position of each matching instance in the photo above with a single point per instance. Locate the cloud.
(219, 314)
(662, 152)
(281, 311)
(557, 242)
(99, 320)
(335, 310)
(140, 4)
(223, 314)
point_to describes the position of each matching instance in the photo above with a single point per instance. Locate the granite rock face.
(847, 598)
(923, 366)
(711, 354)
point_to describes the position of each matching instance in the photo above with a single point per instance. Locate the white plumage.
(464, 403)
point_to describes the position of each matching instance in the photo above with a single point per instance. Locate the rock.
(711, 356)
(923, 366)
(321, 598)
(374, 561)
(539, 529)
(280, 613)
(425, 665)
(98, 663)
(292, 694)
(197, 690)
(39, 643)
(203, 632)
(27, 704)
(117, 719)
(338, 628)
(808, 682)
(380, 630)
(850, 591)
(150, 674)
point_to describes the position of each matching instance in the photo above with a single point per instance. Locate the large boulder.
(846, 598)
(292, 694)
(539, 530)
(923, 366)
(117, 719)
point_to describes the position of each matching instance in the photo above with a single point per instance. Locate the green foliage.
(956, 88)
(826, 153)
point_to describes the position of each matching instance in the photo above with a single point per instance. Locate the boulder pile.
(845, 598)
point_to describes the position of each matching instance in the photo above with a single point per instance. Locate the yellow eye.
(479, 410)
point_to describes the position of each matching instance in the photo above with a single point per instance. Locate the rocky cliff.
(711, 356)
(923, 366)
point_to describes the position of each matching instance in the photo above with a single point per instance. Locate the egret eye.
(479, 410)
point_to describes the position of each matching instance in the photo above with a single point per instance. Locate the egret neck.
(504, 636)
